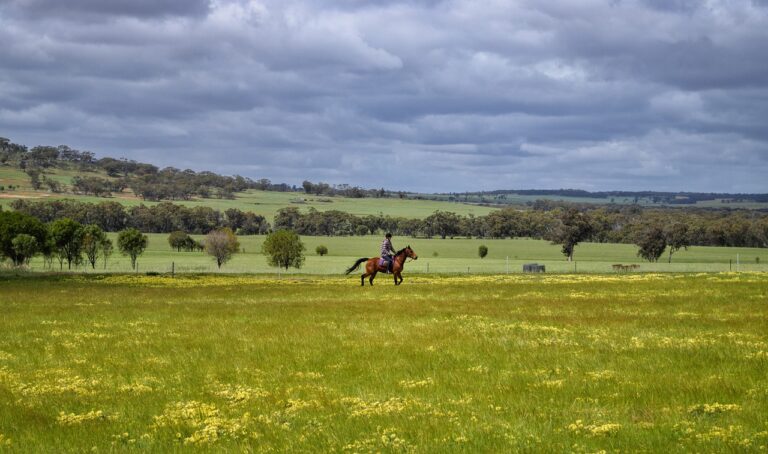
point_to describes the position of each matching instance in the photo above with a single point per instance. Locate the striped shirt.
(386, 248)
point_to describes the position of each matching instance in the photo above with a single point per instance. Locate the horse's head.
(409, 253)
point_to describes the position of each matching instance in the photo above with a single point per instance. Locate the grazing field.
(556, 363)
(267, 203)
(436, 256)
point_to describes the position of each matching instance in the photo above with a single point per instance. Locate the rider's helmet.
(388, 235)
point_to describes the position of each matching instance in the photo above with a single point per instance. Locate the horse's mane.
(401, 250)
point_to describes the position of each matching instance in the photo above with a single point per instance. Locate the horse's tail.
(356, 265)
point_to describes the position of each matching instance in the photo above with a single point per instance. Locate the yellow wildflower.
(593, 430)
(72, 419)
(711, 409)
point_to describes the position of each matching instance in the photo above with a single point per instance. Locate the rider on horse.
(373, 265)
(387, 250)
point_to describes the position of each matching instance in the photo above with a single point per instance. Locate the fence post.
(173, 269)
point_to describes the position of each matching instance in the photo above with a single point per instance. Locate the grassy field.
(556, 363)
(438, 256)
(267, 203)
(13, 177)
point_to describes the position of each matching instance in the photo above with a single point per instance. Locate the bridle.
(407, 255)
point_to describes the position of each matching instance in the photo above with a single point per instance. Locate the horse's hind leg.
(362, 279)
(370, 279)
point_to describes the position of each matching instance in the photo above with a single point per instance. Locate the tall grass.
(556, 363)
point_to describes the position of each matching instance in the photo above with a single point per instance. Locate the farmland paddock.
(484, 363)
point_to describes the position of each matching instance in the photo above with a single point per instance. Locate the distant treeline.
(164, 217)
(669, 198)
(607, 224)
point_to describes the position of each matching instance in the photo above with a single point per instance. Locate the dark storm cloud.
(612, 94)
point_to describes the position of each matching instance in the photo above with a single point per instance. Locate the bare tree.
(221, 244)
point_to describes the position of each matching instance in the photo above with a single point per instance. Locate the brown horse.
(372, 266)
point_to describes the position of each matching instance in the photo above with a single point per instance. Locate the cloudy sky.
(422, 95)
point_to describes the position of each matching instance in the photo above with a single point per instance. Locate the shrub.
(132, 243)
(25, 246)
(12, 224)
(284, 248)
(178, 240)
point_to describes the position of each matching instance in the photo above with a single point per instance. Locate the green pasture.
(522, 200)
(435, 256)
(15, 177)
(498, 363)
(267, 203)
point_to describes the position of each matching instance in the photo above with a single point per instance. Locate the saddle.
(384, 264)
